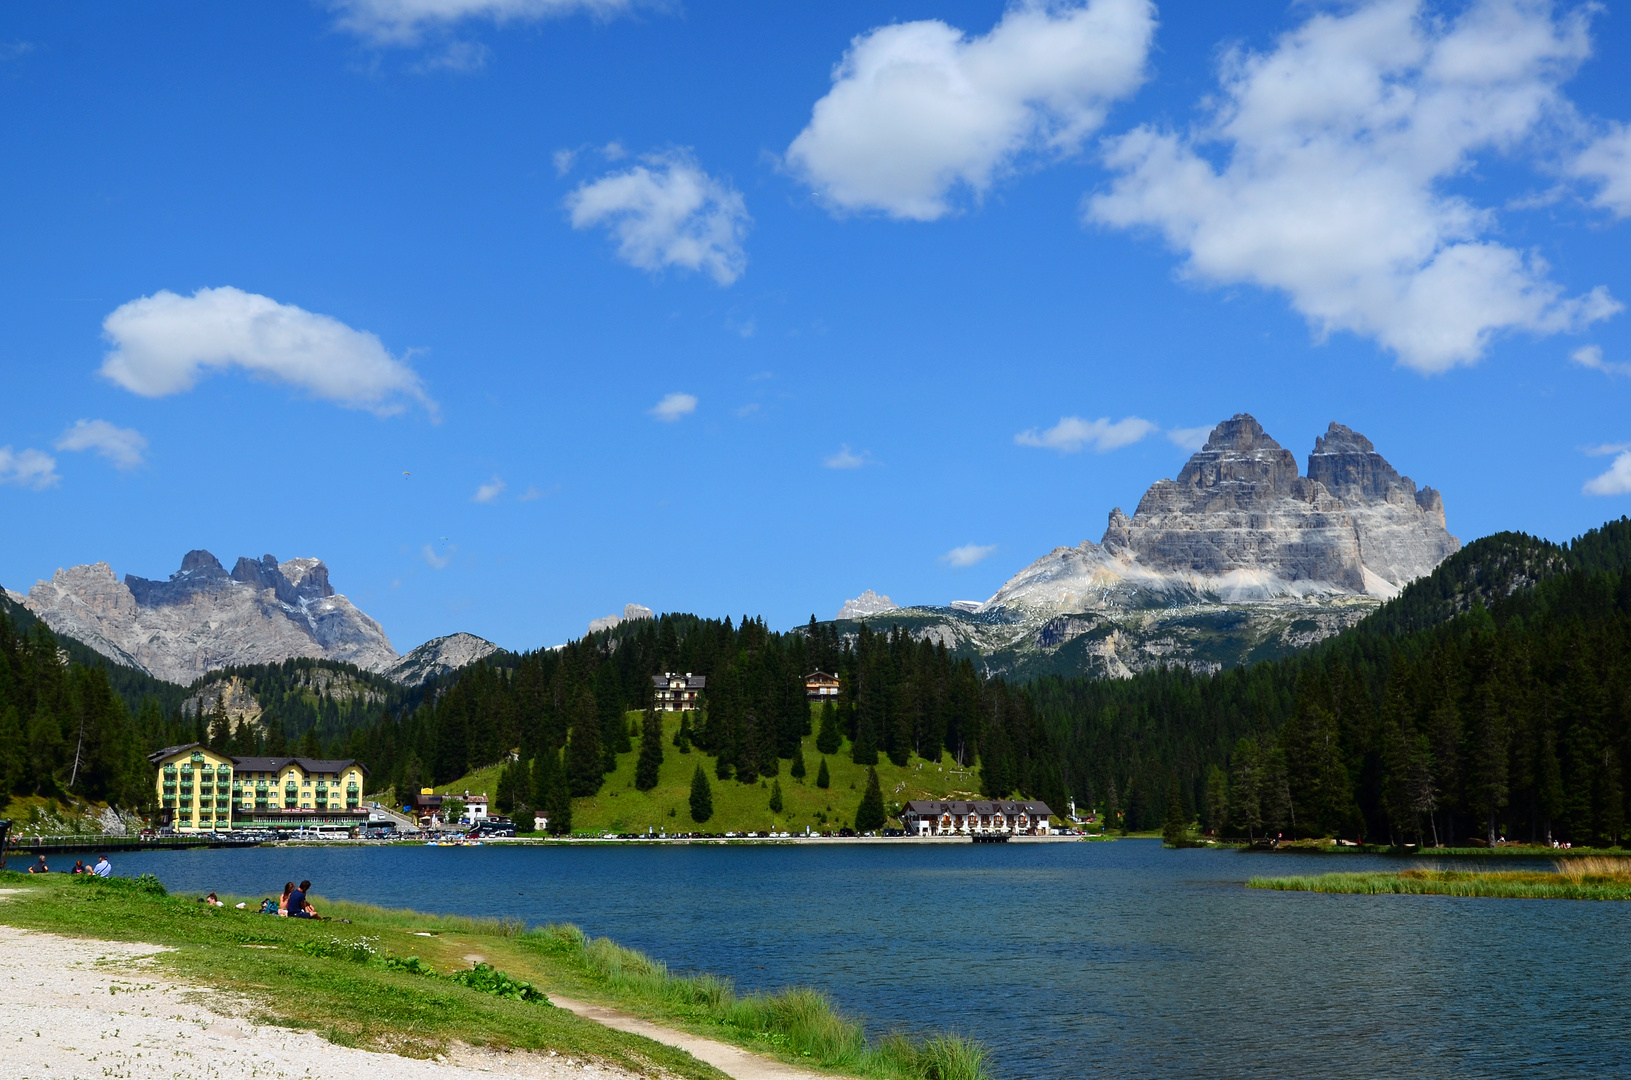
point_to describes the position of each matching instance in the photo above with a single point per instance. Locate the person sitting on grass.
(299, 906)
(213, 901)
(39, 867)
(102, 868)
(283, 901)
(79, 867)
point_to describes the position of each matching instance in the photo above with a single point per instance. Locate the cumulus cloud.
(435, 560)
(967, 555)
(404, 22)
(668, 212)
(1190, 438)
(918, 110)
(1606, 162)
(847, 459)
(1591, 356)
(674, 406)
(1615, 481)
(164, 343)
(1333, 150)
(1072, 433)
(124, 447)
(489, 491)
(28, 468)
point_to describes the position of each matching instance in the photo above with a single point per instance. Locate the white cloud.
(848, 459)
(967, 555)
(124, 447)
(1616, 481)
(1591, 356)
(28, 468)
(1335, 147)
(489, 491)
(457, 56)
(1607, 162)
(1072, 433)
(674, 406)
(668, 212)
(919, 109)
(404, 22)
(164, 343)
(437, 561)
(1190, 438)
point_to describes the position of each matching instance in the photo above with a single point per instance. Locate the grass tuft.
(1576, 884)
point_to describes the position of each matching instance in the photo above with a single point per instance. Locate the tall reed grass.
(1581, 885)
(799, 1022)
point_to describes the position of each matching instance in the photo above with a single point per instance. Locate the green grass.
(1572, 882)
(365, 983)
(620, 808)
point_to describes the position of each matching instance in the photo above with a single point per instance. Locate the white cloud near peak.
(1615, 481)
(489, 491)
(436, 560)
(967, 555)
(164, 343)
(674, 406)
(34, 469)
(666, 212)
(919, 110)
(1189, 438)
(1334, 148)
(404, 22)
(124, 447)
(1072, 434)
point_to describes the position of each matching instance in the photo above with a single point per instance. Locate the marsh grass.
(405, 982)
(1589, 878)
(796, 1023)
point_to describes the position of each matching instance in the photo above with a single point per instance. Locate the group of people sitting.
(294, 903)
(100, 868)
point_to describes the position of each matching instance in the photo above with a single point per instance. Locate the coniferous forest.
(1490, 699)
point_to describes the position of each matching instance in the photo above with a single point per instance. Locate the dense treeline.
(1479, 703)
(562, 713)
(63, 728)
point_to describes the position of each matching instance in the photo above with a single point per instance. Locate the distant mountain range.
(203, 619)
(1240, 558)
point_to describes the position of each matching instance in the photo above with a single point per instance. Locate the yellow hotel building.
(203, 791)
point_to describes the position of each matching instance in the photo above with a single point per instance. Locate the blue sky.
(515, 311)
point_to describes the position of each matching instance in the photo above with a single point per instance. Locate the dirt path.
(731, 1060)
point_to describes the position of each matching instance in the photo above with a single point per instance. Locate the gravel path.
(96, 1010)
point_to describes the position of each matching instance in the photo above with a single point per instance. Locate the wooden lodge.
(676, 693)
(995, 817)
(821, 686)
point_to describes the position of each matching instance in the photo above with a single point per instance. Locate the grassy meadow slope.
(620, 807)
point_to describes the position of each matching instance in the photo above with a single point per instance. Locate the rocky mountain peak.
(868, 603)
(1239, 454)
(1349, 467)
(200, 560)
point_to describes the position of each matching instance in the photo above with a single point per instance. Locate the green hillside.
(619, 807)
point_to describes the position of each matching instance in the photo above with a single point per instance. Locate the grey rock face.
(203, 618)
(868, 603)
(631, 612)
(438, 657)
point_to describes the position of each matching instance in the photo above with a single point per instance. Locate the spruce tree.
(651, 751)
(823, 777)
(869, 815)
(797, 770)
(864, 751)
(310, 747)
(583, 751)
(722, 767)
(682, 737)
(702, 796)
(1177, 823)
(1217, 800)
(775, 796)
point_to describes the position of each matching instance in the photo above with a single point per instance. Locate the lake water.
(1068, 960)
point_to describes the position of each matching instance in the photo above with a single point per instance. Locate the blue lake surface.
(1068, 960)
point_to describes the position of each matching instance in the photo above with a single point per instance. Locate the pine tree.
(702, 797)
(1247, 789)
(651, 751)
(797, 769)
(775, 796)
(869, 815)
(583, 751)
(864, 751)
(1217, 800)
(310, 747)
(683, 737)
(823, 778)
(1176, 826)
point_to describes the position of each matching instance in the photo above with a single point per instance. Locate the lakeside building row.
(928, 817)
(200, 790)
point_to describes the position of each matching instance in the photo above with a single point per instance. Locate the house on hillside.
(821, 686)
(929, 817)
(200, 790)
(676, 693)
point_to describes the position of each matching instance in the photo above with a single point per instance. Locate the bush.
(489, 980)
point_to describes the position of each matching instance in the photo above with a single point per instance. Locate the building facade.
(204, 791)
(821, 686)
(969, 818)
(676, 693)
